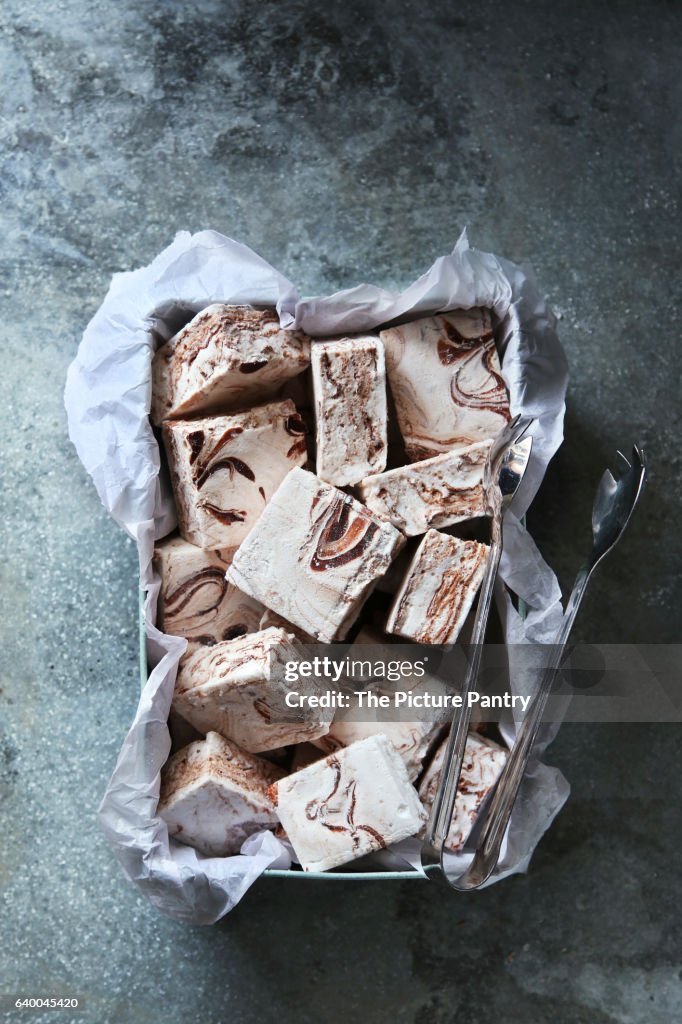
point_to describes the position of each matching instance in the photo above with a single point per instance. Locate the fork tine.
(627, 487)
(639, 459)
(638, 456)
(623, 465)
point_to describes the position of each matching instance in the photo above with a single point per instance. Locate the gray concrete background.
(344, 144)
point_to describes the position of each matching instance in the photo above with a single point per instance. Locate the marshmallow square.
(481, 768)
(225, 358)
(314, 556)
(434, 493)
(225, 469)
(349, 386)
(438, 590)
(353, 802)
(214, 795)
(195, 600)
(445, 378)
(238, 688)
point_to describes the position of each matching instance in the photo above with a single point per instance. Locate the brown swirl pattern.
(232, 464)
(477, 355)
(491, 396)
(444, 499)
(211, 326)
(203, 640)
(226, 516)
(318, 810)
(207, 584)
(456, 342)
(448, 601)
(344, 536)
(295, 426)
(297, 448)
(197, 441)
(206, 467)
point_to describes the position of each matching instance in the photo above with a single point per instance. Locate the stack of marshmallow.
(275, 551)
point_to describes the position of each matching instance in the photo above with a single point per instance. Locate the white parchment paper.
(107, 399)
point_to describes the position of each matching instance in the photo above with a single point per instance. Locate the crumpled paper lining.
(107, 399)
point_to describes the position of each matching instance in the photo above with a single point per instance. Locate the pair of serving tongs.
(613, 507)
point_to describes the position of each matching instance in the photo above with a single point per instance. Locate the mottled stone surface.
(344, 144)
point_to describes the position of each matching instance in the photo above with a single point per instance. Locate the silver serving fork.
(614, 504)
(505, 466)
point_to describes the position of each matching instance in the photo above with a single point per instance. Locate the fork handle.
(507, 789)
(443, 807)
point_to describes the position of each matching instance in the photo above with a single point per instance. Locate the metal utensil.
(614, 504)
(504, 470)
